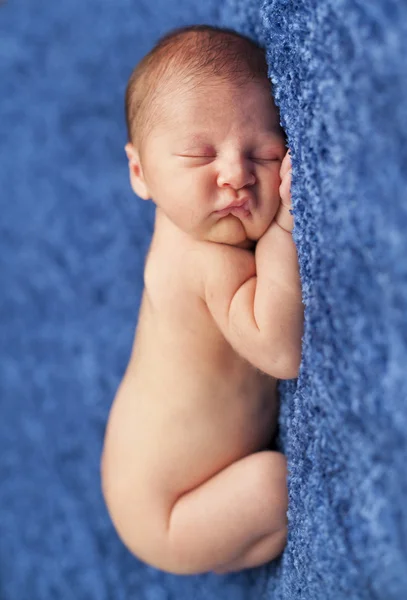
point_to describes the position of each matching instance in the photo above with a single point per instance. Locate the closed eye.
(212, 156)
(265, 159)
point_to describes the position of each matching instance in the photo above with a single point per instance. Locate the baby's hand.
(283, 217)
(285, 175)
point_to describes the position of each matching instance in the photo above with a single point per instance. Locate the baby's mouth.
(237, 211)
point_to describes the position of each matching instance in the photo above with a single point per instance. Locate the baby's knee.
(269, 484)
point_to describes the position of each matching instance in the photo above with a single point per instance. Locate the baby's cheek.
(270, 183)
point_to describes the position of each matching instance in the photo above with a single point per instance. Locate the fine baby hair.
(188, 56)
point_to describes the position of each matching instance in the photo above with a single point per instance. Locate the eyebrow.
(194, 138)
(198, 138)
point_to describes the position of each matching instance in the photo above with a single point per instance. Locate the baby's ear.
(137, 180)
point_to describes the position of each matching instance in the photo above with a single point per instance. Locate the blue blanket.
(72, 244)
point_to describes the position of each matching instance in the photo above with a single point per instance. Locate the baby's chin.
(230, 230)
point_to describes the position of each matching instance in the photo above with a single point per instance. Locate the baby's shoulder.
(171, 270)
(179, 264)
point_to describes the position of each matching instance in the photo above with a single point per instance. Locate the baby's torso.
(194, 404)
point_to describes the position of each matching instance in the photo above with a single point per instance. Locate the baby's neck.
(247, 245)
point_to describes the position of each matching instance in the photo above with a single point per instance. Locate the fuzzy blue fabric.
(72, 244)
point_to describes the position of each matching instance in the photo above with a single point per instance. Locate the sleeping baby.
(188, 476)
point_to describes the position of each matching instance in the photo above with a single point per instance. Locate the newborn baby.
(187, 474)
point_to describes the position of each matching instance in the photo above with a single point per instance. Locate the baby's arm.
(277, 302)
(262, 317)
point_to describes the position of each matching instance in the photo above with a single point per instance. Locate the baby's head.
(204, 132)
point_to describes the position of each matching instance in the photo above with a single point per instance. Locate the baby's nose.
(236, 174)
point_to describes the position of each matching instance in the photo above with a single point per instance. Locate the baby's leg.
(234, 520)
(258, 554)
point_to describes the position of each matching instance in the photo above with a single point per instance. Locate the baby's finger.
(285, 189)
(285, 165)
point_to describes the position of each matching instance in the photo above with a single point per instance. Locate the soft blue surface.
(72, 243)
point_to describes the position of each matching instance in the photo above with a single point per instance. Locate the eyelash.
(251, 158)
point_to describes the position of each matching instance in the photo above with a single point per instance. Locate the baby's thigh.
(217, 521)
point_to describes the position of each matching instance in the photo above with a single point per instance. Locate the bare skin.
(187, 475)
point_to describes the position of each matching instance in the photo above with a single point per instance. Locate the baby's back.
(188, 405)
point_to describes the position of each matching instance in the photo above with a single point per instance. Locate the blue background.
(72, 243)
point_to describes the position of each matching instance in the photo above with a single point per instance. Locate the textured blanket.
(72, 244)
